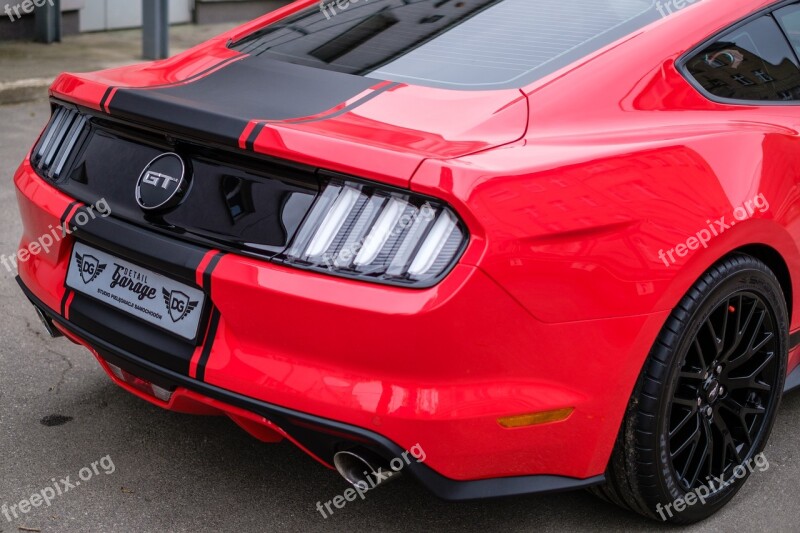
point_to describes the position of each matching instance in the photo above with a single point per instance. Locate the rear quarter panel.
(623, 162)
(623, 159)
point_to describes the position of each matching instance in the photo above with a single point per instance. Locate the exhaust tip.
(357, 468)
(51, 330)
(353, 468)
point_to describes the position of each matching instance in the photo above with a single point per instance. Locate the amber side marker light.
(534, 419)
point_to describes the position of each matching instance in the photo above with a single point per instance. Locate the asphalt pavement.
(159, 471)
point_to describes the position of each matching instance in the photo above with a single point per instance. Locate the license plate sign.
(139, 292)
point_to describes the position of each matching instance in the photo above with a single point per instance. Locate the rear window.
(753, 62)
(457, 44)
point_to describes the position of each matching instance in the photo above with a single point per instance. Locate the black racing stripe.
(215, 317)
(352, 106)
(204, 356)
(794, 340)
(104, 101)
(210, 270)
(63, 222)
(110, 90)
(64, 300)
(66, 213)
(251, 140)
(220, 106)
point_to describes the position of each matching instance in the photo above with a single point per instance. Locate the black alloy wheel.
(728, 379)
(703, 408)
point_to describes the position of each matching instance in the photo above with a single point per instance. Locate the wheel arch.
(765, 253)
(775, 261)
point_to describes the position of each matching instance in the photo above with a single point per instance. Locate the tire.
(682, 403)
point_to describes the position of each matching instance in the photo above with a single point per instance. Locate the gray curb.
(12, 92)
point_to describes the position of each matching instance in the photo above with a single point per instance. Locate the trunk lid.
(349, 123)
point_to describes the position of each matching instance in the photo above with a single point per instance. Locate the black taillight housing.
(59, 142)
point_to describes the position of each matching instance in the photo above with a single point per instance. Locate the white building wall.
(99, 15)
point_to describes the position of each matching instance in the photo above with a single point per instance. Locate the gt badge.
(163, 183)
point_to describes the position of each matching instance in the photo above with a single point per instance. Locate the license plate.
(137, 291)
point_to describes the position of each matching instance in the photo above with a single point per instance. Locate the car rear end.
(302, 275)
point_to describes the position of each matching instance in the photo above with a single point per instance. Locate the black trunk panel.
(235, 202)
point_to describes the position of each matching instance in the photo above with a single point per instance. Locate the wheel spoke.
(699, 350)
(727, 441)
(748, 355)
(696, 376)
(718, 343)
(738, 362)
(689, 404)
(740, 329)
(692, 452)
(725, 319)
(761, 318)
(692, 439)
(692, 414)
(710, 439)
(738, 312)
(750, 381)
(704, 457)
(760, 346)
(741, 413)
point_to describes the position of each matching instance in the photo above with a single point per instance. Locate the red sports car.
(539, 245)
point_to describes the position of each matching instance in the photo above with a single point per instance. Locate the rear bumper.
(390, 367)
(316, 436)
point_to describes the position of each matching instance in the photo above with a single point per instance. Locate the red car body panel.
(569, 189)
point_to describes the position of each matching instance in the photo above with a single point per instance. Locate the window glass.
(789, 19)
(753, 62)
(462, 44)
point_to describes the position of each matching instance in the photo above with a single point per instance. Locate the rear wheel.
(705, 403)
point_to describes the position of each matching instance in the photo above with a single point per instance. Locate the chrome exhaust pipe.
(364, 470)
(51, 330)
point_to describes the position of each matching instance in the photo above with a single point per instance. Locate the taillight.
(58, 142)
(378, 234)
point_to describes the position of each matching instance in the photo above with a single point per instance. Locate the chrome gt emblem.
(162, 183)
(178, 304)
